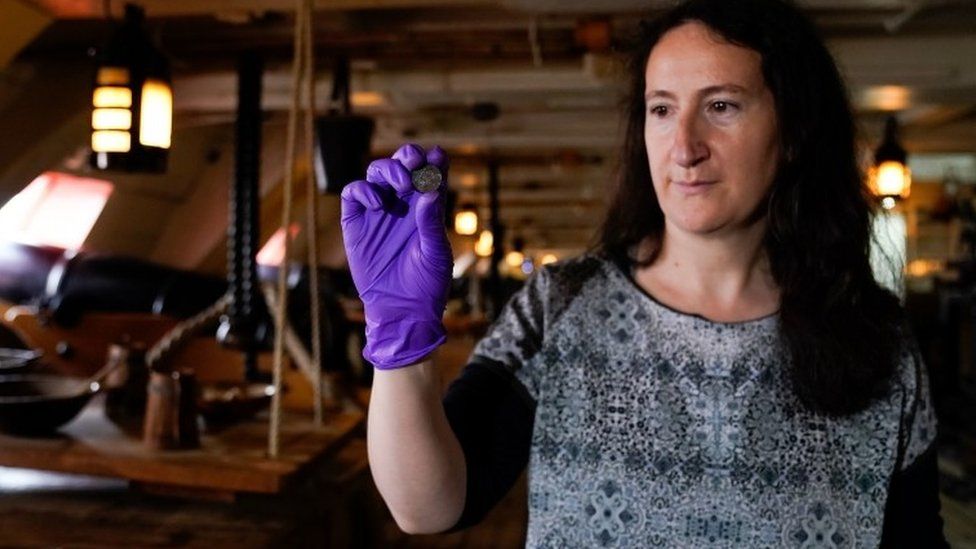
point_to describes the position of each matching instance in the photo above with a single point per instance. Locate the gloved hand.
(399, 256)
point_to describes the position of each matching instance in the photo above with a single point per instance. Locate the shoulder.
(568, 282)
(918, 421)
(580, 266)
(570, 276)
(546, 296)
(909, 375)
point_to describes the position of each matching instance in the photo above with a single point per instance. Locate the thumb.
(430, 226)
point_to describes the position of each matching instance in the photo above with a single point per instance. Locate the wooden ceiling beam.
(20, 23)
(94, 9)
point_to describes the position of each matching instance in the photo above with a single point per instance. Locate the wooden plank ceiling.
(420, 65)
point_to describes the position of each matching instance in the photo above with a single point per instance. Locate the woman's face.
(710, 129)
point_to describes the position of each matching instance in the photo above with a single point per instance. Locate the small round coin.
(426, 179)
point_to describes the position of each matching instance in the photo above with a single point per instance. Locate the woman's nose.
(689, 148)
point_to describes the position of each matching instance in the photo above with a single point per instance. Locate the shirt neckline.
(627, 275)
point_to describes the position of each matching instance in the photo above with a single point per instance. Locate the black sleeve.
(491, 414)
(912, 512)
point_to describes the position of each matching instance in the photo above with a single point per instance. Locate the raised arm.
(401, 263)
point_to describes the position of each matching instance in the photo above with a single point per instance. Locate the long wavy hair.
(841, 327)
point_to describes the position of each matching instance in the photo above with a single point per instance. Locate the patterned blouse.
(656, 428)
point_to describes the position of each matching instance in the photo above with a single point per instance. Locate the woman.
(723, 371)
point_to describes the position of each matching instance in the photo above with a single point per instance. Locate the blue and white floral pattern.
(656, 428)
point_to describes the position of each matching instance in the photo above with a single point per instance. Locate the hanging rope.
(163, 350)
(312, 216)
(296, 78)
(303, 67)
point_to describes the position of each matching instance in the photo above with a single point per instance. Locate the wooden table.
(229, 462)
(334, 507)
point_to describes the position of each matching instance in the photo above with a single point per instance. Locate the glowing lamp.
(132, 102)
(484, 246)
(889, 178)
(466, 220)
(514, 259)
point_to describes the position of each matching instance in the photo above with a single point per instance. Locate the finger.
(430, 226)
(359, 196)
(438, 157)
(390, 172)
(411, 156)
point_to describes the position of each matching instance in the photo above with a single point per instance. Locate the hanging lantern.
(466, 220)
(889, 178)
(132, 102)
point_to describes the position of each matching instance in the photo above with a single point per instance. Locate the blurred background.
(144, 167)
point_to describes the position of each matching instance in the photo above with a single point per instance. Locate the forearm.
(415, 458)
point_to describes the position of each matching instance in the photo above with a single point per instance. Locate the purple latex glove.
(399, 256)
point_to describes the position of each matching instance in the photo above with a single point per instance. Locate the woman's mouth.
(691, 187)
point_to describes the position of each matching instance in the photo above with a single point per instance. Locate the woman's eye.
(659, 111)
(721, 106)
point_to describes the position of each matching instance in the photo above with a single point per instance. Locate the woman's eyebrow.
(723, 88)
(720, 88)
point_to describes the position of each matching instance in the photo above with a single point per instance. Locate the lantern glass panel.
(112, 76)
(112, 97)
(111, 141)
(111, 119)
(156, 114)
